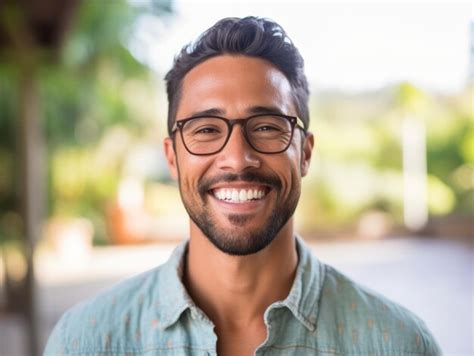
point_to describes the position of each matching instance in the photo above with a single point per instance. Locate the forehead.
(234, 84)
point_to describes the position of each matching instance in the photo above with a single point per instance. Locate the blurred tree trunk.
(415, 207)
(31, 190)
(411, 101)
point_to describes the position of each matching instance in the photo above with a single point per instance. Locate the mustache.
(250, 177)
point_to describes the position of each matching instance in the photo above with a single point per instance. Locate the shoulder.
(117, 313)
(360, 316)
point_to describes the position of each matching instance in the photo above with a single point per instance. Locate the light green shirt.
(325, 313)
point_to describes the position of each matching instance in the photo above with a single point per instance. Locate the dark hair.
(249, 36)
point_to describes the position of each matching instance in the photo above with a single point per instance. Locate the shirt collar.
(302, 300)
(173, 299)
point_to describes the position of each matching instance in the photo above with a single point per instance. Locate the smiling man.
(244, 283)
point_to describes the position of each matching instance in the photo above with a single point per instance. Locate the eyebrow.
(212, 112)
(265, 110)
(254, 110)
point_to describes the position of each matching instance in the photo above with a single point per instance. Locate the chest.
(242, 343)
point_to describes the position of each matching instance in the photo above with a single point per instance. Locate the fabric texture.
(325, 313)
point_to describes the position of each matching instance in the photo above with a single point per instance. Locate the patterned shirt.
(325, 313)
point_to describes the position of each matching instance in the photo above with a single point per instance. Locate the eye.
(267, 128)
(206, 130)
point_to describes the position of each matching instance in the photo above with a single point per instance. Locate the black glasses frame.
(294, 122)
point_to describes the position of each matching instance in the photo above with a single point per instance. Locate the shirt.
(325, 313)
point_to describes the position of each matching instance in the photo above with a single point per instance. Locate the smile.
(235, 195)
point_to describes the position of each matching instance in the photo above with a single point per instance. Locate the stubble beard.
(239, 240)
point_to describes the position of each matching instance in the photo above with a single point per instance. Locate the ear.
(171, 157)
(306, 153)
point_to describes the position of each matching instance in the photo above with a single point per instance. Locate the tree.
(48, 85)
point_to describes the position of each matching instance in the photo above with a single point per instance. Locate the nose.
(237, 155)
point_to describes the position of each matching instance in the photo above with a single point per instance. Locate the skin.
(234, 291)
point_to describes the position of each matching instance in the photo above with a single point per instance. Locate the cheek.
(294, 156)
(289, 172)
(191, 169)
(294, 167)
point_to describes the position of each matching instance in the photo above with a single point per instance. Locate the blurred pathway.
(433, 278)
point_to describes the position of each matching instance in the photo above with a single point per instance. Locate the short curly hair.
(249, 36)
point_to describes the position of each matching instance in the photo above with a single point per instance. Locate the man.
(243, 284)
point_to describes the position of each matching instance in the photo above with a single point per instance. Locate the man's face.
(264, 188)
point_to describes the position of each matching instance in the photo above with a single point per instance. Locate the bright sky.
(349, 46)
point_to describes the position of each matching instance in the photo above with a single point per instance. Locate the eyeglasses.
(265, 133)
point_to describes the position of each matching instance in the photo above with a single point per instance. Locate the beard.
(239, 240)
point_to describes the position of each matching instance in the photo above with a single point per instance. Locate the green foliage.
(358, 163)
(410, 98)
(84, 95)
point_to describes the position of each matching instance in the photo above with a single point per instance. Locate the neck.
(221, 284)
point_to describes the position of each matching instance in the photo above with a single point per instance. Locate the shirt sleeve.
(431, 346)
(55, 344)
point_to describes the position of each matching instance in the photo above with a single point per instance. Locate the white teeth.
(238, 196)
(235, 195)
(249, 194)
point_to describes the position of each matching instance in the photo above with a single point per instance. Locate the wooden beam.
(32, 182)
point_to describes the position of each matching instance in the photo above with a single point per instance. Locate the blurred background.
(86, 198)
